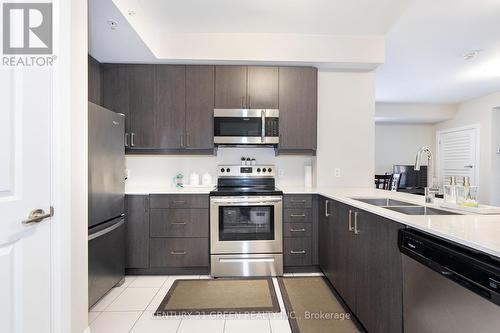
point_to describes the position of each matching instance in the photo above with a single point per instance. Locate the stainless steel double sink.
(404, 207)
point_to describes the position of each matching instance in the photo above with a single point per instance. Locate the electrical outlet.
(281, 173)
(336, 172)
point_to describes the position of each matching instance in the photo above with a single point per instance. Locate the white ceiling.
(425, 48)
(332, 17)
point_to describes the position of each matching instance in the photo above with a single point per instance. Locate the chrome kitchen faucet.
(431, 190)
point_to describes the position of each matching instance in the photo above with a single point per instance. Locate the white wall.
(346, 129)
(418, 113)
(158, 171)
(479, 111)
(399, 143)
(495, 160)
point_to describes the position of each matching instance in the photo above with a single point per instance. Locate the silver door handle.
(132, 139)
(298, 252)
(327, 204)
(249, 102)
(38, 215)
(350, 220)
(179, 202)
(182, 140)
(178, 223)
(263, 131)
(297, 230)
(297, 215)
(356, 230)
(468, 166)
(178, 253)
(126, 139)
(188, 140)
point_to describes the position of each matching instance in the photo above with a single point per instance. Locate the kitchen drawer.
(298, 201)
(178, 201)
(297, 215)
(179, 252)
(175, 222)
(297, 229)
(297, 251)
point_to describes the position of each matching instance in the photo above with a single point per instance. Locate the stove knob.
(258, 169)
(222, 170)
(228, 170)
(264, 170)
(269, 170)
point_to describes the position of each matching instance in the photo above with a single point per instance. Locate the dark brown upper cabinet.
(298, 94)
(115, 90)
(141, 91)
(170, 115)
(230, 87)
(200, 90)
(242, 87)
(262, 87)
(94, 81)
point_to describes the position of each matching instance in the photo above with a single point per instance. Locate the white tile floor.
(130, 308)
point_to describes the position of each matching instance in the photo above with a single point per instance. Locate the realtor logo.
(27, 28)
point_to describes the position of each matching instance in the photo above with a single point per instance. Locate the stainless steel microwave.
(246, 126)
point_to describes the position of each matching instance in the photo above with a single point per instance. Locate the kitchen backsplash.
(150, 170)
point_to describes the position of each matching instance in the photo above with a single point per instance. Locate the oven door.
(246, 224)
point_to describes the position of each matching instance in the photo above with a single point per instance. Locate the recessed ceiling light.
(471, 54)
(112, 24)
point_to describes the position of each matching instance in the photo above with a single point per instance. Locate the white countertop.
(166, 189)
(480, 232)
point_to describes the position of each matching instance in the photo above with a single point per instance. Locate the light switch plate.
(281, 173)
(336, 172)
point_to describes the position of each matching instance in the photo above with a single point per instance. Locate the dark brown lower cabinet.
(360, 257)
(179, 252)
(167, 234)
(137, 236)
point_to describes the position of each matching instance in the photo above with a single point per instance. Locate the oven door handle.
(263, 131)
(243, 200)
(246, 202)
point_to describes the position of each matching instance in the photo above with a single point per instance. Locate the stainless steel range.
(246, 222)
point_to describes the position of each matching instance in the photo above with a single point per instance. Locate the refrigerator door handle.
(107, 230)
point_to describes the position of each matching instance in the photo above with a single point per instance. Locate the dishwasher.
(448, 287)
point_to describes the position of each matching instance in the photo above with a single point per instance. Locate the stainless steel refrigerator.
(106, 232)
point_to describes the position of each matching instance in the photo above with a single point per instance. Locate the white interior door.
(25, 169)
(458, 155)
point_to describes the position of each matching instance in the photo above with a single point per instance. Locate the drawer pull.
(178, 223)
(297, 215)
(297, 230)
(298, 201)
(178, 253)
(298, 252)
(179, 201)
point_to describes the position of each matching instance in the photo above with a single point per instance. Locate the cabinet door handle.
(180, 202)
(350, 220)
(297, 230)
(356, 230)
(242, 102)
(188, 140)
(178, 223)
(297, 215)
(181, 137)
(327, 204)
(249, 104)
(132, 139)
(178, 253)
(146, 204)
(298, 201)
(298, 252)
(126, 139)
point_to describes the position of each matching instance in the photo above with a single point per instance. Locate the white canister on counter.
(206, 179)
(194, 179)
